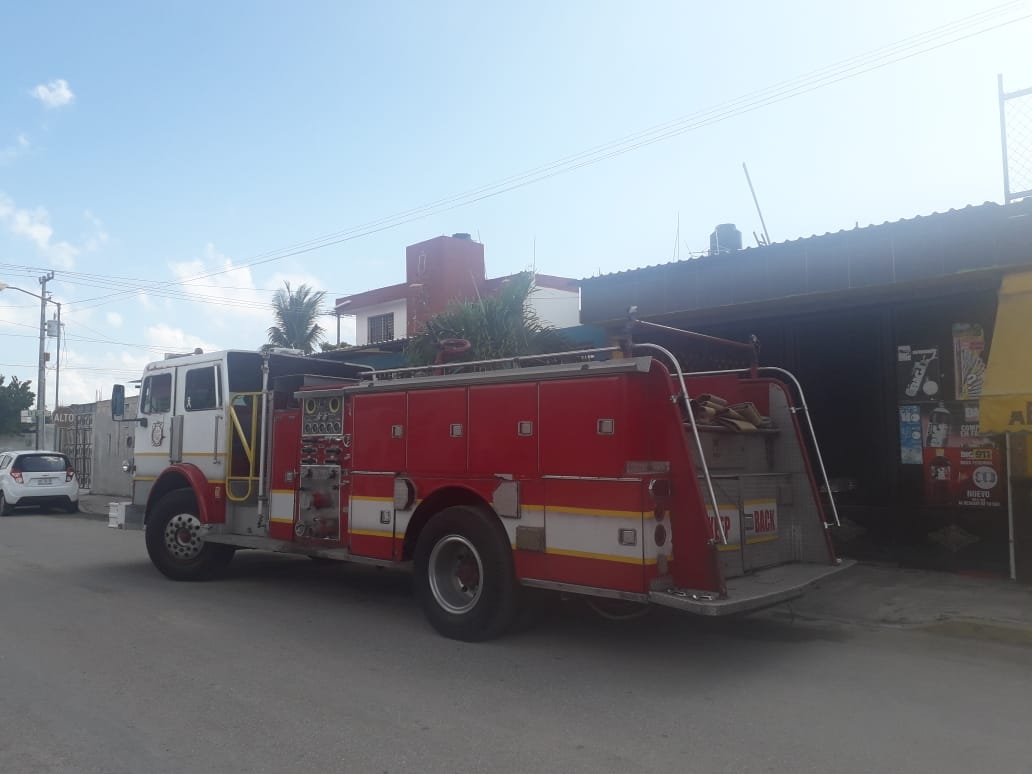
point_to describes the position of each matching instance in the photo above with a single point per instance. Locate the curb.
(1005, 632)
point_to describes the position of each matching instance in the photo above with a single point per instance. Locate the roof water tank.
(725, 239)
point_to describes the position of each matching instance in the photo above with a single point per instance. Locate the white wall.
(400, 309)
(559, 308)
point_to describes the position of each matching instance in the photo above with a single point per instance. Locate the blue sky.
(144, 144)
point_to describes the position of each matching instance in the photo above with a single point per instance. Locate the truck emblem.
(157, 433)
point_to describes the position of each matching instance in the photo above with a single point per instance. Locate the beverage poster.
(918, 373)
(963, 468)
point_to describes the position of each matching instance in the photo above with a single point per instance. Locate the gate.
(77, 442)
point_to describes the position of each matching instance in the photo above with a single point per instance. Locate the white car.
(41, 478)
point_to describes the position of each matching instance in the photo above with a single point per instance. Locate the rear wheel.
(464, 574)
(5, 507)
(72, 507)
(174, 541)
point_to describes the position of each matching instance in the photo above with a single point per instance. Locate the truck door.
(203, 434)
(152, 449)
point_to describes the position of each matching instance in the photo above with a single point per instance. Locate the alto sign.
(64, 418)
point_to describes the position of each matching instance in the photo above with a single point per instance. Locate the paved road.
(288, 665)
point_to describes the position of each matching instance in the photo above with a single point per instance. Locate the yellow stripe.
(593, 512)
(364, 498)
(278, 520)
(283, 491)
(603, 557)
(370, 533)
(729, 547)
(146, 478)
(767, 501)
(762, 539)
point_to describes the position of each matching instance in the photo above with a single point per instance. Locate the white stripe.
(281, 506)
(592, 534)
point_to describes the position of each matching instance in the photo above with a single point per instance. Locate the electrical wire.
(906, 48)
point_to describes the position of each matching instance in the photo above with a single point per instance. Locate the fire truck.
(608, 473)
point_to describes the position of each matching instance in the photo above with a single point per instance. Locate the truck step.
(754, 591)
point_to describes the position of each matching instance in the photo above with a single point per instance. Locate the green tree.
(14, 398)
(295, 312)
(497, 326)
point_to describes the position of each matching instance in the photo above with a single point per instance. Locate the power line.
(906, 48)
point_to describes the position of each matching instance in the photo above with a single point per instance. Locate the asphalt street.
(290, 665)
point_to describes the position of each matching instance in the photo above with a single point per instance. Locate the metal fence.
(1016, 139)
(77, 443)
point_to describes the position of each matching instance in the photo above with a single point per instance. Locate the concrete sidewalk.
(873, 595)
(944, 603)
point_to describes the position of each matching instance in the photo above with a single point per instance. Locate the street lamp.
(41, 396)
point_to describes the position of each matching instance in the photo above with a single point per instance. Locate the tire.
(72, 507)
(5, 507)
(172, 542)
(465, 579)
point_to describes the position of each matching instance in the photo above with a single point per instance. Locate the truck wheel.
(174, 544)
(465, 578)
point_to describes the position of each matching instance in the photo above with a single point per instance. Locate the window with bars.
(381, 328)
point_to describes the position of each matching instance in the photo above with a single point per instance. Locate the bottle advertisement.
(962, 467)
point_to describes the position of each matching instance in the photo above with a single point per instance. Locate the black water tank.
(725, 239)
(462, 235)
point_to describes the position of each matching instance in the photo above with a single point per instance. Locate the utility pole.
(41, 394)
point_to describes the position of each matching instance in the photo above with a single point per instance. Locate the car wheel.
(465, 577)
(5, 507)
(174, 543)
(72, 507)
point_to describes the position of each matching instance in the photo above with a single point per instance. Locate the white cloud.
(99, 238)
(175, 339)
(54, 94)
(34, 225)
(19, 147)
(114, 319)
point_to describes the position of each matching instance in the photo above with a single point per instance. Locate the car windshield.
(42, 463)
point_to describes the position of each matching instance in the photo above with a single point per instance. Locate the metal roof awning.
(1006, 401)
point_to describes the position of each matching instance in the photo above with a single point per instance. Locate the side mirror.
(118, 401)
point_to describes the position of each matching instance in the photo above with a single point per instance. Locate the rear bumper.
(47, 499)
(755, 591)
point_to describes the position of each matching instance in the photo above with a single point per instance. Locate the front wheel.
(465, 578)
(174, 541)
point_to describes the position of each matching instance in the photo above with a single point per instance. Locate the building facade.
(439, 272)
(889, 328)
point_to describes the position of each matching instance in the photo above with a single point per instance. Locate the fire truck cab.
(607, 473)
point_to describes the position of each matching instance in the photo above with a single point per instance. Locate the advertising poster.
(918, 373)
(910, 435)
(968, 360)
(962, 467)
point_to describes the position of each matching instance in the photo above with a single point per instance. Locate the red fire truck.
(609, 473)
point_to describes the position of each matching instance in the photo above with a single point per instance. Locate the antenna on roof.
(677, 239)
(766, 236)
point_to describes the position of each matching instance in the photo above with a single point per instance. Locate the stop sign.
(64, 418)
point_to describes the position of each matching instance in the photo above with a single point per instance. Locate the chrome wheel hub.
(455, 573)
(183, 537)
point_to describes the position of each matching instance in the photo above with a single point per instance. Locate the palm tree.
(497, 326)
(296, 313)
